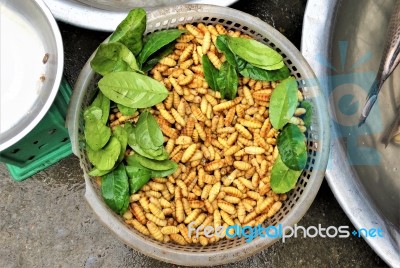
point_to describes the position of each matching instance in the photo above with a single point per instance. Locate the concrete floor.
(46, 222)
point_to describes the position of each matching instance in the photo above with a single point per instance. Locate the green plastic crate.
(45, 145)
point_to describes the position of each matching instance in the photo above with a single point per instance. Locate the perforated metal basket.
(299, 200)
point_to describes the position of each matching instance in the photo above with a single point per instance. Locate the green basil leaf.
(283, 179)
(113, 57)
(254, 52)
(241, 63)
(95, 172)
(133, 162)
(283, 102)
(105, 158)
(122, 135)
(103, 103)
(158, 154)
(126, 110)
(115, 189)
(156, 57)
(129, 128)
(152, 164)
(93, 113)
(227, 81)
(132, 89)
(264, 75)
(163, 173)
(130, 31)
(210, 72)
(292, 147)
(309, 113)
(148, 133)
(277, 66)
(157, 40)
(222, 45)
(96, 133)
(137, 178)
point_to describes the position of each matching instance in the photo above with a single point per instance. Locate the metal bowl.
(89, 17)
(120, 5)
(343, 41)
(31, 67)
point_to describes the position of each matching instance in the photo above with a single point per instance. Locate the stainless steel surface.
(28, 84)
(389, 61)
(121, 5)
(392, 134)
(343, 41)
(299, 199)
(81, 15)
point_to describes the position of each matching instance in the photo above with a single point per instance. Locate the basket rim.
(163, 253)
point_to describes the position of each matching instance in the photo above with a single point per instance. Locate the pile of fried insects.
(225, 149)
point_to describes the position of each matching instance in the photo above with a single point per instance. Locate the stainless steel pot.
(343, 41)
(31, 66)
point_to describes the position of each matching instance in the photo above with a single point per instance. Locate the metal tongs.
(389, 62)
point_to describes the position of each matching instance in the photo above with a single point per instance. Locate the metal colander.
(299, 199)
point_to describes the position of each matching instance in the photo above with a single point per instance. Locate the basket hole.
(51, 132)
(15, 151)
(213, 19)
(288, 61)
(31, 157)
(64, 140)
(266, 40)
(35, 142)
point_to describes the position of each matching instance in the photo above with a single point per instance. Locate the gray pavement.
(46, 222)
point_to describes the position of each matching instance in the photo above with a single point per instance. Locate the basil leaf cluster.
(122, 63)
(124, 59)
(246, 57)
(291, 141)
